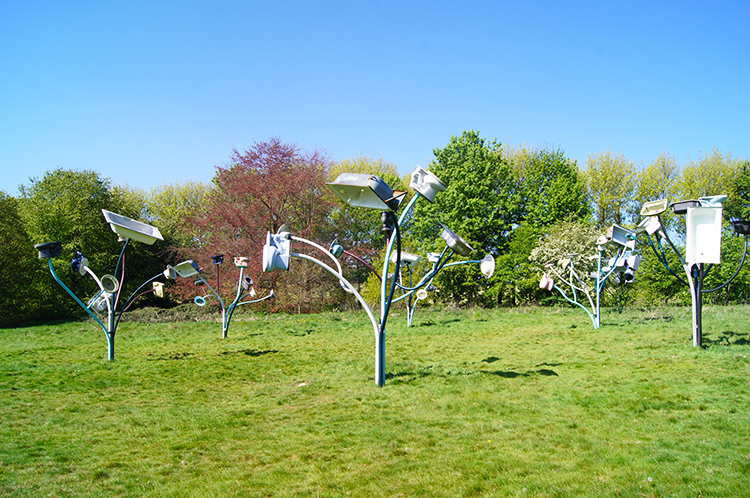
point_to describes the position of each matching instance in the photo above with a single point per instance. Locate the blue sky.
(151, 93)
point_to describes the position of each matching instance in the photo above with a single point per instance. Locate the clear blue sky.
(149, 92)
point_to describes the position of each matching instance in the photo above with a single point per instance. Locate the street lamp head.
(741, 227)
(426, 183)
(128, 228)
(681, 207)
(456, 243)
(49, 250)
(368, 191)
(650, 225)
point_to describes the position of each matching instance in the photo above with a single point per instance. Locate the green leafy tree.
(171, 206)
(66, 206)
(711, 174)
(482, 204)
(611, 182)
(25, 293)
(738, 204)
(552, 187)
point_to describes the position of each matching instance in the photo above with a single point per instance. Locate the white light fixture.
(407, 258)
(185, 269)
(650, 225)
(368, 191)
(128, 228)
(546, 282)
(703, 237)
(654, 208)
(277, 251)
(456, 243)
(621, 236)
(426, 183)
(487, 266)
(158, 289)
(714, 201)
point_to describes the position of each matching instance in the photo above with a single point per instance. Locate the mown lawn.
(513, 402)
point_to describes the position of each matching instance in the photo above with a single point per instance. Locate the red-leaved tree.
(258, 190)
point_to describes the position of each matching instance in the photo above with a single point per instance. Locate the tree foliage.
(23, 294)
(260, 189)
(552, 187)
(611, 181)
(482, 204)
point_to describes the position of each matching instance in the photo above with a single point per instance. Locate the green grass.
(519, 403)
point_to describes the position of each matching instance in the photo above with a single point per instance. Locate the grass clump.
(523, 402)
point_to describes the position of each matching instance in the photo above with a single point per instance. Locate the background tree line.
(504, 201)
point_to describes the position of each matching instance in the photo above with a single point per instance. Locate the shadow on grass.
(430, 323)
(728, 338)
(169, 356)
(509, 374)
(250, 352)
(407, 376)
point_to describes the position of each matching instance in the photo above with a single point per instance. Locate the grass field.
(516, 403)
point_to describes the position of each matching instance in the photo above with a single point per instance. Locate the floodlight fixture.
(632, 263)
(621, 236)
(407, 258)
(368, 191)
(158, 288)
(741, 227)
(128, 228)
(655, 208)
(487, 266)
(714, 201)
(426, 183)
(433, 257)
(455, 242)
(650, 225)
(49, 250)
(681, 207)
(185, 269)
